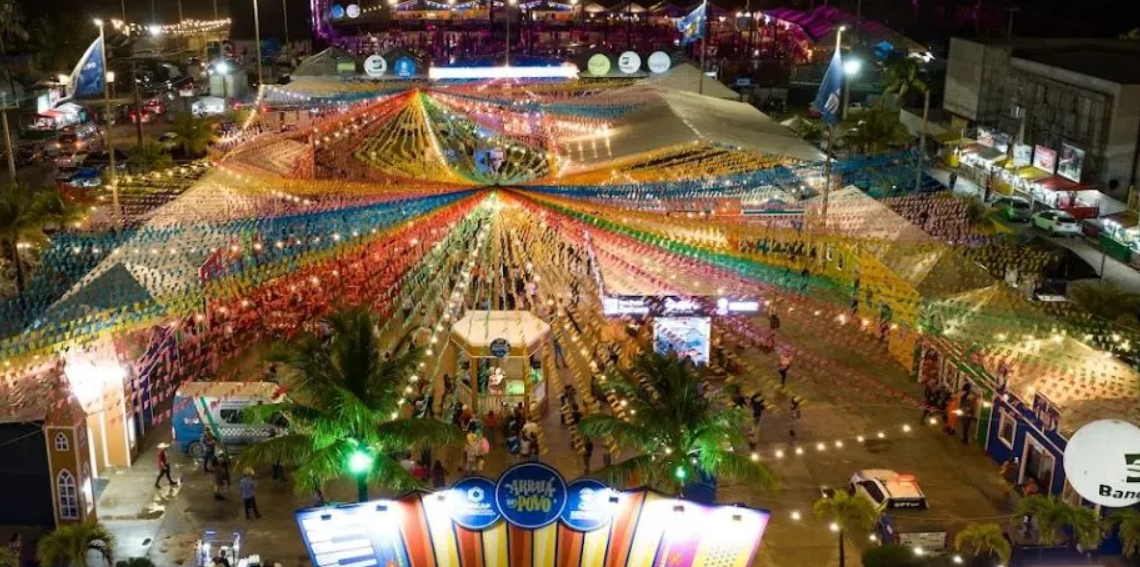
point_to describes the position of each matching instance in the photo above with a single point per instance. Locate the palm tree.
(679, 437)
(24, 211)
(149, 157)
(344, 410)
(1105, 300)
(69, 545)
(1053, 515)
(902, 74)
(1128, 521)
(846, 512)
(984, 543)
(874, 130)
(192, 134)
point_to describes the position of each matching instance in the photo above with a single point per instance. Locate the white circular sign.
(353, 10)
(1102, 462)
(629, 62)
(375, 66)
(659, 62)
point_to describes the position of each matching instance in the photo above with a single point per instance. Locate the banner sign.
(87, 77)
(1071, 163)
(676, 306)
(531, 495)
(590, 505)
(473, 504)
(405, 67)
(1022, 155)
(500, 348)
(1045, 159)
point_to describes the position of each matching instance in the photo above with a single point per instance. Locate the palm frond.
(292, 449)
(745, 470)
(597, 426)
(404, 434)
(983, 540)
(396, 477)
(1128, 520)
(634, 470)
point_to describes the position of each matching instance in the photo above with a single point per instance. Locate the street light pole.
(285, 17)
(257, 40)
(850, 70)
(215, 10)
(8, 139)
(922, 140)
(110, 122)
(509, 4)
(123, 6)
(180, 11)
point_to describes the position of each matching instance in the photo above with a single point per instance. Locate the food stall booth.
(979, 163)
(1062, 194)
(506, 358)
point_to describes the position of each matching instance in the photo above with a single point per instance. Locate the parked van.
(219, 405)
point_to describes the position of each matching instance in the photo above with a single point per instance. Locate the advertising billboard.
(1022, 155)
(1045, 159)
(1071, 163)
(687, 337)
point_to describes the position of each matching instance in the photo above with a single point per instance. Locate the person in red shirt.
(163, 466)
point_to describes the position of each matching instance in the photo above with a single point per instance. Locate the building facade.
(1078, 98)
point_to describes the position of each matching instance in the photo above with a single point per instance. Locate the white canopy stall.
(507, 361)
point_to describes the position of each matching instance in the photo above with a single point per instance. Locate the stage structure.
(507, 360)
(531, 517)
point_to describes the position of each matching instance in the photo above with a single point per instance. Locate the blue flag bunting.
(693, 25)
(87, 78)
(829, 98)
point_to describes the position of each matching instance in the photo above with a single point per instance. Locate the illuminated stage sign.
(593, 526)
(674, 306)
(462, 73)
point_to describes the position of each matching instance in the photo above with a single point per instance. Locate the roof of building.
(1120, 64)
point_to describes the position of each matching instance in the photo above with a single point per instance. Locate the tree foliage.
(1128, 523)
(1105, 300)
(149, 157)
(193, 134)
(903, 75)
(983, 540)
(891, 556)
(1054, 515)
(346, 397)
(69, 545)
(874, 130)
(677, 435)
(24, 213)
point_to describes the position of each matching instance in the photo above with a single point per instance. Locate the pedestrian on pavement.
(784, 366)
(220, 479)
(163, 466)
(559, 356)
(247, 486)
(587, 453)
(953, 179)
(438, 475)
(210, 443)
(756, 404)
(491, 427)
(968, 417)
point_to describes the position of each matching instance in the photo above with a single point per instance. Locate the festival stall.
(59, 117)
(506, 360)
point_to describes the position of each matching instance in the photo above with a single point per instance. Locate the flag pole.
(704, 32)
(830, 135)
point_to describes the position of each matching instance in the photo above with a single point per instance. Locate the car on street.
(1012, 208)
(70, 159)
(887, 489)
(1057, 223)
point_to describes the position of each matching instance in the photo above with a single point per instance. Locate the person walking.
(784, 366)
(438, 475)
(211, 445)
(163, 466)
(221, 478)
(247, 486)
(587, 454)
(953, 179)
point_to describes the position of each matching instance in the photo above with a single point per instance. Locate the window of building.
(61, 442)
(68, 496)
(1007, 427)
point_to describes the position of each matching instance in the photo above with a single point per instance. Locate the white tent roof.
(524, 332)
(686, 77)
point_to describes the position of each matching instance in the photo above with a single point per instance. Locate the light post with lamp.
(110, 123)
(851, 69)
(450, 25)
(359, 464)
(222, 68)
(257, 41)
(509, 4)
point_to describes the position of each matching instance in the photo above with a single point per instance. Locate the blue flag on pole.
(87, 78)
(693, 25)
(829, 98)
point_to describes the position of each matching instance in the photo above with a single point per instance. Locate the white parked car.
(1057, 223)
(888, 489)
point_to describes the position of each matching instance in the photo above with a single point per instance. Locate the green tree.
(57, 43)
(149, 157)
(846, 512)
(344, 410)
(874, 130)
(677, 435)
(24, 212)
(983, 543)
(1128, 521)
(902, 75)
(69, 545)
(1105, 300)
(7, 558)
(1053, 515)
(193, 134)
